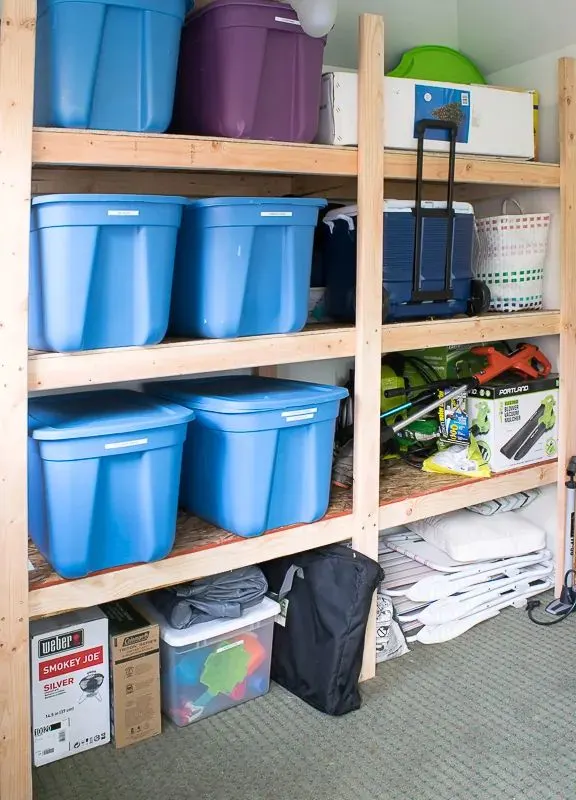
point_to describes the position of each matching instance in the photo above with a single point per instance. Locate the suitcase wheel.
(479, 302)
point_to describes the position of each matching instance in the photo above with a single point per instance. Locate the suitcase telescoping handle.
(420, 295)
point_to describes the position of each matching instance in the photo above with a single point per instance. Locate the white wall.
(498, 35)
(408, 23)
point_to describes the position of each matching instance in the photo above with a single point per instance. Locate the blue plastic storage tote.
(399, 231)
(104, 469)
(101, 269)
(107, 64)
(258, 454)
(243, 267)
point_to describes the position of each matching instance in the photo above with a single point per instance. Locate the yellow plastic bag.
(459, 459)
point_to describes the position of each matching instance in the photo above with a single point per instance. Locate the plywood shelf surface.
(407, 494)
(201, 549)
(81, 148)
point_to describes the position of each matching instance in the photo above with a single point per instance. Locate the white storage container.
(493, 121)
(215, 665)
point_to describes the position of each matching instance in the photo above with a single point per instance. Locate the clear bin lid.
(85, 414)
(267, 609)
(244, 394)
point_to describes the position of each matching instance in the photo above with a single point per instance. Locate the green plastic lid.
(433, 62)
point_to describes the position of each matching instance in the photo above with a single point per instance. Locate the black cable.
(532, 604)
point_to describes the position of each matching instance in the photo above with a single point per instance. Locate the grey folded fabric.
(226, 595)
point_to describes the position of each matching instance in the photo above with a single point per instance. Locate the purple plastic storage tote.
(248, 71)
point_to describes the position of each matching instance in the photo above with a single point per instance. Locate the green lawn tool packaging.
(515, 422)
(452, 361)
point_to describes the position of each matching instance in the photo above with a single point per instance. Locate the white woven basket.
(509, 257)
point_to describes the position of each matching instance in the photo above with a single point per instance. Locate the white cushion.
(466, 536)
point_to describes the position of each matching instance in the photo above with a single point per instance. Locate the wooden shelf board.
(469, 330)
(49, 371)
(67, 147)
(407, 494)
(200, 550)
(62, 147)
(401, 165)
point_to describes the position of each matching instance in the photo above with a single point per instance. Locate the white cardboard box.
(495, 121)
(518, 421)
(70, 685)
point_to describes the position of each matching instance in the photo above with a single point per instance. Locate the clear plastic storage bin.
(215, 665)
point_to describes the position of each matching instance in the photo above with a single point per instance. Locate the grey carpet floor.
(489, 716)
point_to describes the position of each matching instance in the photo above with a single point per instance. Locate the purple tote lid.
(284, 8)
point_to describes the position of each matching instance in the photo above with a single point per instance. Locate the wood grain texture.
(98, 367)
(468, 330)
(81, 148)
(16, 99)
(369, 302)
(47, 180)
(200, 550)
(407, 494)
(567, 360)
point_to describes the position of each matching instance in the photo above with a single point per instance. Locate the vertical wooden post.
(369, 302)
(567, 427)
(17, 39)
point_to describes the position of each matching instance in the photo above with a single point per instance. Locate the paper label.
(446, 104)
(276, 213)
(287, 21)
(298, 416)
(52, 740)
(281, 617)
(122, 445)
(123, 213)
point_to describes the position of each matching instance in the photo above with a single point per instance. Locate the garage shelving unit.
(42, 161)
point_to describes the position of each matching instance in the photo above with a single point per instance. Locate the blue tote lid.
(85, 414)
(174, 8)
(289, 202)
(245, 394)
(108, 199)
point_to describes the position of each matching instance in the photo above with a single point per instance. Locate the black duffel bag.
(326, 596)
